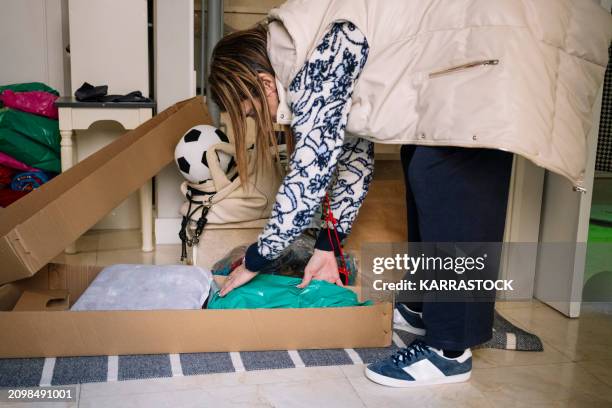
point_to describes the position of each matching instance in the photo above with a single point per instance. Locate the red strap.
(329, 218)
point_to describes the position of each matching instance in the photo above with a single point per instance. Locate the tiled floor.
(574, 369)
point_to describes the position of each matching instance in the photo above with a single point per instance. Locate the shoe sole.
(396, 383)
(407, 327)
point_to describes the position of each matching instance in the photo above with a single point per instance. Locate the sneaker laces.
(416, 348)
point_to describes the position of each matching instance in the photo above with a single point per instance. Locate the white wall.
(109, 44)
(32, 42)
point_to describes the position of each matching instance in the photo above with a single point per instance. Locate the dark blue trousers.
(456, 194)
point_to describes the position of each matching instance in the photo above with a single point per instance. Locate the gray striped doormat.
(32, 372)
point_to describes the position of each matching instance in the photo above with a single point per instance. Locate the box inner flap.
(40, 225)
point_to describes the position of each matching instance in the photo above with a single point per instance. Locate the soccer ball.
(190, 153)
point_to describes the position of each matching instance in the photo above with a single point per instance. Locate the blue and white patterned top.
(323, 159)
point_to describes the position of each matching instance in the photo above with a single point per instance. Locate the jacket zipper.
(463, 67)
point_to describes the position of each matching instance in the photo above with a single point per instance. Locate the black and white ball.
(190, 153)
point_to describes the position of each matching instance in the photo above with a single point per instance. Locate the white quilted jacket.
(516, 75)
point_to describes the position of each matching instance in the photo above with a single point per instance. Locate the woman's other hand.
(322, 266)
(237, 278)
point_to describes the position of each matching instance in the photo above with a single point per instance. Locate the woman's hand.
(322, 266)
(237, 278)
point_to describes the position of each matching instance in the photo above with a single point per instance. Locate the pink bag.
(9, 161)
(36, 102)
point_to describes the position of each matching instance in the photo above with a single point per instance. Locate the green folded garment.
(29, 152)
(274, 291)
(41, 130)
(31, 139)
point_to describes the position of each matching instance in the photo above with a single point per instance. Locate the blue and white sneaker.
(419, 364)
(408, 320)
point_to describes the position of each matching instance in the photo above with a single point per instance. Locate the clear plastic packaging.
(274, 292)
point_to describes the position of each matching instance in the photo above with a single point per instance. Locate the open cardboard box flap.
(42, 224)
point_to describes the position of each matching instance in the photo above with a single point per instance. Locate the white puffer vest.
(516, 75)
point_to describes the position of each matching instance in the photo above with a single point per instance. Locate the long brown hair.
(237, 60)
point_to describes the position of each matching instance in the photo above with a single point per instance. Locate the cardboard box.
(9, 295)
(46, 300)
(43, 223)
(39, 226)
(66, 333)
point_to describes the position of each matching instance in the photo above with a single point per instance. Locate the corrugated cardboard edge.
(66, 333)
(54, 334)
